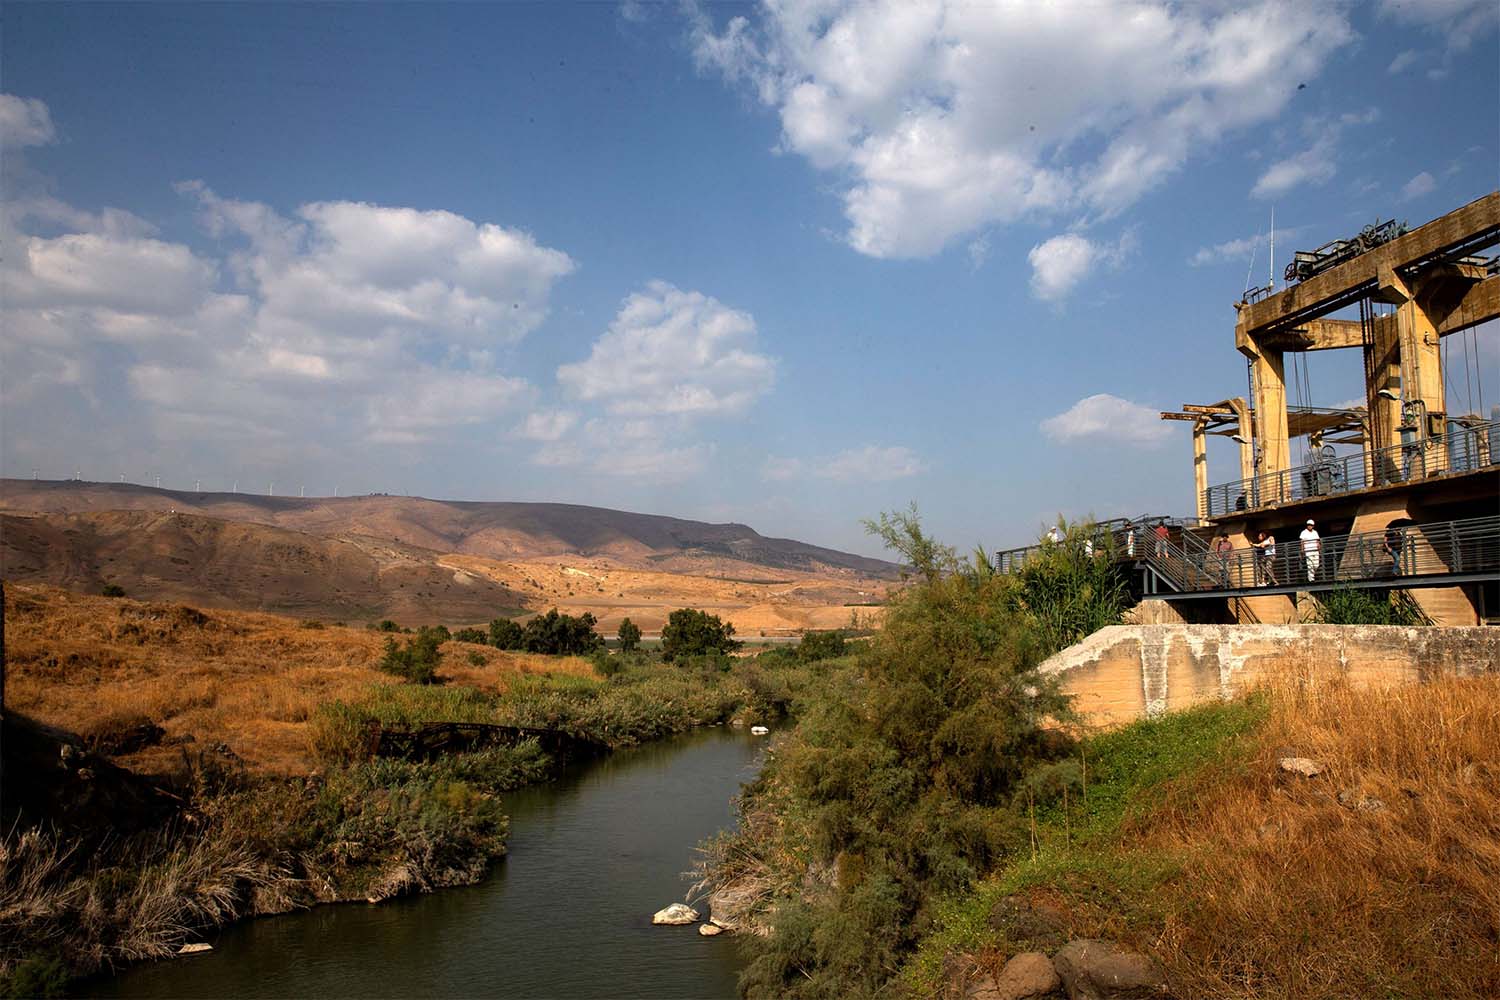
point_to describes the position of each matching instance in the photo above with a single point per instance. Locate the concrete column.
(1271, 426)
(1247, 434)
(1200, 467)
(1422, 378)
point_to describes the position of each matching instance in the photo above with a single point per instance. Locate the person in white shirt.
(1055, 535)
(1312, 549)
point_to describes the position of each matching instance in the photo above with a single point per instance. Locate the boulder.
(677, 913)
(710, 929)
(1305, 766)
(1104, 970)
(1026, 976)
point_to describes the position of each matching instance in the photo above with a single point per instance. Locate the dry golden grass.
(250, 681)
(1378, 878)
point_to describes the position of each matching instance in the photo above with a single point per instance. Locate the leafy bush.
(562, 635)
(417, 661)
(1072, 589)
(1375, 606)
(629, 635)
(506, 634)
(821, 646)
(386, 625)
(112, 590)
(474, 635)
(898, 782)
(690, 632)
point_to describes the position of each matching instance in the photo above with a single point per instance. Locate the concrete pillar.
(1200, 467)
(1247, 437)
(1269, 374)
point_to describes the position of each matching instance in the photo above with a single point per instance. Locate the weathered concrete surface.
(1124, 672)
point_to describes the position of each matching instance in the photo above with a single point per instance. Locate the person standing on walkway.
(1265, 553)
(1130, 539)
(1393, 546)
(1162, 534)
(1222, 549)
(1312, 549)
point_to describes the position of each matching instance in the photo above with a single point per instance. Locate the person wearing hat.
(1312, 549)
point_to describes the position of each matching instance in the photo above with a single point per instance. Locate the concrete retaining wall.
(1124, 672)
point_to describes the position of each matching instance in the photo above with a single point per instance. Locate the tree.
(473, 635)
(901, 531)
(690, 632)
(506, 634)
(562, 635)
(821, 646)
(629, 634)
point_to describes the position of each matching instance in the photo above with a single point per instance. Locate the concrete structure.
(1419, 460)
(1126, 672)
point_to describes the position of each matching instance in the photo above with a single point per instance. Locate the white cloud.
(547, 425)
(1403, 60)
(941, 118)
(671, 352)
(1314, 165)
(1061, 262)
(1461, 22)
(25, 121)
(344, 324)
(1228, 250)
(1110, 418)
(1419, 185)
(870, 464)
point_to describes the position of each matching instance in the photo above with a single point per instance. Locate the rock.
(677, 913)
(1103, 970)
(1304, 766)
(729, 906)
(1027, 975)
(710, 929)
(737, 723)
(1350, 798)
(959, 973)
(195, 949)
(758, 730)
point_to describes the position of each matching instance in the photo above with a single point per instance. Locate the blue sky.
(787, 265)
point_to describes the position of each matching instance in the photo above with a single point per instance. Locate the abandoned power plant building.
(1417, 506)
(1403, 488)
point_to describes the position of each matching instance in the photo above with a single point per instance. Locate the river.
(567, 912)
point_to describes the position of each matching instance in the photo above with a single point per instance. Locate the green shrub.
(112, 590)
(506, 634)
(386, 625)
(559, 634)
(821, 646)
(1368, 606)
(417, 661)
(476, 658)
(477, 636)
(690, 632)
(629, 635)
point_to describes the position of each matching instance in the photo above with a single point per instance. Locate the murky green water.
(566, 914)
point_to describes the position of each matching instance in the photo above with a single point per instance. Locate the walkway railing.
(1463, 449)
(1187, 564)
(1445, 548)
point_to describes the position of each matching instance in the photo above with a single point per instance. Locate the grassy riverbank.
(257, 727)
(931, 817)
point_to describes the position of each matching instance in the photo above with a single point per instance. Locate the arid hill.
(224, 564)
(418, 561)
(499, 530)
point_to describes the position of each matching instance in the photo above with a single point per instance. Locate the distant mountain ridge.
(505, 530)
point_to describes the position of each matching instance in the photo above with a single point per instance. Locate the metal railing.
(1462, 449)
(1188, 564)
(1444, 548)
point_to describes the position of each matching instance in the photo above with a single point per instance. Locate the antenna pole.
(1272, 283)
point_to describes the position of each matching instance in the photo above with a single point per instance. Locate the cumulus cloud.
(1419, 185)
(339, 324)
(869, 464)
(941, 118)
(25, 121)
(671, 352)
(1403, 60)
(1061, 262)
(1318, 163)
(1108, 418)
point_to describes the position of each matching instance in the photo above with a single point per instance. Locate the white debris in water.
(759, 730)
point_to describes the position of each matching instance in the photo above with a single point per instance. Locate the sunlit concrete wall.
(1124, 672)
